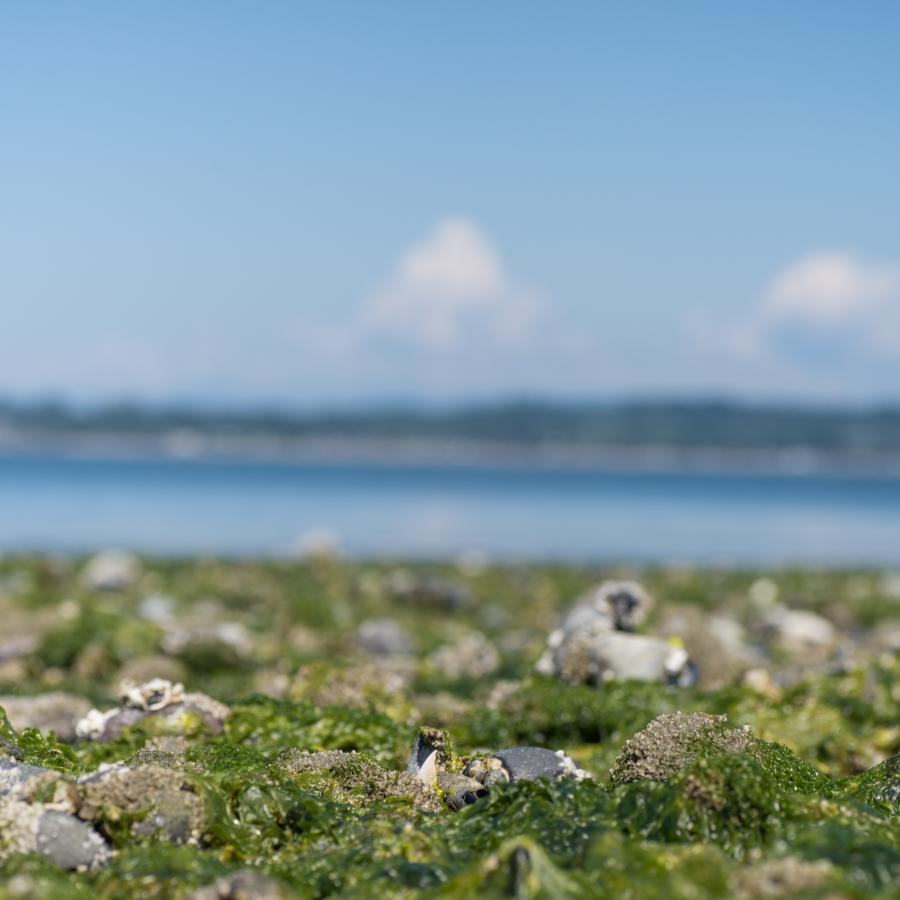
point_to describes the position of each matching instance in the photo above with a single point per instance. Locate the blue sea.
(193, 506)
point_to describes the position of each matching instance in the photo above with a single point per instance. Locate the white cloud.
(830, 289)
(824, 305)
(449, 288)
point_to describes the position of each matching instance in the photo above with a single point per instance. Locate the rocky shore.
(207, 729)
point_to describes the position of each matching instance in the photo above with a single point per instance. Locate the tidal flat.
(205, 728)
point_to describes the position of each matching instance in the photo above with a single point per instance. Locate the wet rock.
(356, 779)
(523, 764)
(157, 608)
(673, 741)
(717, 644)
(34, 828)
(167, 703)
(437, 593)
(14, 774)
(622, 605)
(69, 842)
(781, 878)
(162, 801)
(354, 686)
(215, 645)
(460, 790)
(799, 633)
(531, 763)
(111, 570)
(591, 656)
(384, 637)
(58, 711)
(473, 656)
(243, 885)
(428, 742)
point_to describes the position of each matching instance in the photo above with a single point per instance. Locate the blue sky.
(310, 203)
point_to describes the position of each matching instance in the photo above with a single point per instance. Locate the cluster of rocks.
(433, 763)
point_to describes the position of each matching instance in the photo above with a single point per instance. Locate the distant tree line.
(679, 424)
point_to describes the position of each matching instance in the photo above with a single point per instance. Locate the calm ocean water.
(215, 507)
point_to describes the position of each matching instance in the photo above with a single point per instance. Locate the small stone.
(473, 656)
(13, 774)
(243, 885)
(69, 842)
(57, 711)
(384, 637)
(459, 790)
(531, 763)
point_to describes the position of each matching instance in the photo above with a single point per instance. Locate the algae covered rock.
(673, 741)
(150, 800)
(57, 711)
(354, 778)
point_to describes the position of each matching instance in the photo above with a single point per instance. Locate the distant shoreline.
(189, 446)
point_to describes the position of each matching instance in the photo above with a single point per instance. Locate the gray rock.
(243, 885)
(13, 774)
(530, 763)
(591, 656)
(429, 591)
(472, 656)
(57, 711)
(69, 842)
(384, 637)
(459, 790)
(111, 570)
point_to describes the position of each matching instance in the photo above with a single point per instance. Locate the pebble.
(111, 570)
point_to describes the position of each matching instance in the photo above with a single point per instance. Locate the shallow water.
(221, 507)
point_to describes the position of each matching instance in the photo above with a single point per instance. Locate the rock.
(57, 711)
(523, 764)
(428, 742)
(158, 699)
(531, 763)
(781, 878)
(13, 774)
(69, 842)
(33, 828)
(384, 637)
(111, 570)
(162, 801)
(624, 605)
(354, 686)
(591, 656)
(356, 779)
(460, 790)
(437, 593)
(673, 741)
(157, 608)
(243, 885)
(473, 656)
(800, 633)
(715, 643)
(216, 645)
